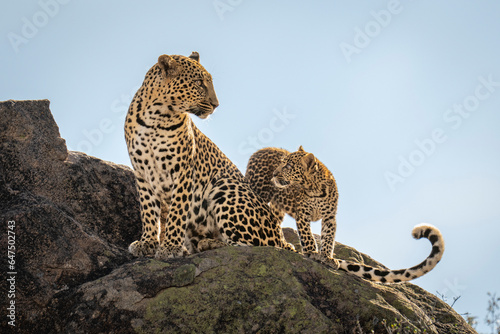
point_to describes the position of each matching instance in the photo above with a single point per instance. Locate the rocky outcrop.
(75, 215)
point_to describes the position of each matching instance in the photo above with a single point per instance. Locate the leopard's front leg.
(278, 212)
(150, 215)
(174, 232)
(307, 240)
(328, 230)
(325, 255)
(280, 215)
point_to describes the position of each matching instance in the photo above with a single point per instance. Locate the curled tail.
(395, 276)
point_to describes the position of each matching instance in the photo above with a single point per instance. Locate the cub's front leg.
(307, 240)
(328, 230)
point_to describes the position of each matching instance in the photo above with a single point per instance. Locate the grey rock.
(74, 214)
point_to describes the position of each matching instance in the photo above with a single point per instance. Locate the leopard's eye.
(288, 166)
(198, 83)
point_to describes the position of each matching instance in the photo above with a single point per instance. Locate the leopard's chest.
(295, 202)
(312, 208)
(160, 158)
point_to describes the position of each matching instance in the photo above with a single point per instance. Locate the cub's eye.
(288, 166)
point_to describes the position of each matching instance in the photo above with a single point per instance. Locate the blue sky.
(399, 99)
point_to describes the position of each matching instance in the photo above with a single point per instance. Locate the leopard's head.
(185, 85)
(296, 169)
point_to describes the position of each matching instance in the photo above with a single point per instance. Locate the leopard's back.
(260, 169)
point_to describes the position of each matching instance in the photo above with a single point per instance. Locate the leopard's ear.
(310, 161)
(168, 66)
(301, 149)
(195, 56)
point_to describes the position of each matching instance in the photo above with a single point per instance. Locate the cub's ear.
(195, 56)
(301, 149)
(310, 161)
(168, 66)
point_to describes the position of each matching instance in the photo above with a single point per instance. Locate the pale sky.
(399, 99)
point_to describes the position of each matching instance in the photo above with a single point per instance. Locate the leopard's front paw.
(142, 248)
(208, 244)
(170, 251)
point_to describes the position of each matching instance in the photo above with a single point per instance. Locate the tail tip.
(424, 230)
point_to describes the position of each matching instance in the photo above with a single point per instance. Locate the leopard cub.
(300, 185)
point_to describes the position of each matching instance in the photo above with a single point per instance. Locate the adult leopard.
(189, 190)
(192, 197)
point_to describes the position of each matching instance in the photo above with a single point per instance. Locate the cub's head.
(296, 169)
(185, 86)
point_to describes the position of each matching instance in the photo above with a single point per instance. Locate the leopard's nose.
(214, 101)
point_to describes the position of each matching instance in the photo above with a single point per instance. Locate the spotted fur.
(300, 185)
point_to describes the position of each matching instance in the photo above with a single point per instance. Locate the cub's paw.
(289, 246)
(313, 256)
(170, 251)
(331, 262)
(141, 248)
(208, 244)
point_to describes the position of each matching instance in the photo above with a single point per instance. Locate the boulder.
(74, 216)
